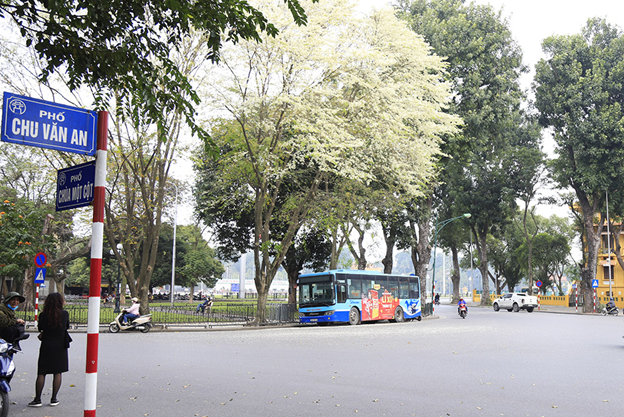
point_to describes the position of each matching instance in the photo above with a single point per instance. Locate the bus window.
(367, 285)
(403, 288)
(355, 288)
(342, 293)
(414, 288)
(393, 286)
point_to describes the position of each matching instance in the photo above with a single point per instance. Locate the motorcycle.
(610, 311)
(141, 323)
(463, 311)
(7, 369)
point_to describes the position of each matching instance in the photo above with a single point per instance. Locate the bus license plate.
(313, 320)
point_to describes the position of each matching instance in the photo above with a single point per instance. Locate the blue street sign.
(74, 186)
(594, 283)
(235, 287)
(538, 284)
(34, 122)
(40, 274)
(573, 286)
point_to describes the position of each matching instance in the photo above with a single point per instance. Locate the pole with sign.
(95, 278)
(44, 124)
(40, 273)
(594, 286)
(575, 296)
(538, 284)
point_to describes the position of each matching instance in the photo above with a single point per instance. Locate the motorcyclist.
(12, 328)
(460, 303)
(610, 304)
(131, 312)
(437, 299)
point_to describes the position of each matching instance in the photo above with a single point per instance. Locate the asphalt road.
(490, 364)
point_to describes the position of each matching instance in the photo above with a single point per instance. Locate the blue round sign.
(538, 284)
(40, 259)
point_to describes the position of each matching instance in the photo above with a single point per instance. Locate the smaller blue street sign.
(573, 286)
(40, 275)
(235, 287)
(74, 186)
(594, 283)
(538, 284)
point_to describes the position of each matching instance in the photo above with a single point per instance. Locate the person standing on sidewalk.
(53, 358)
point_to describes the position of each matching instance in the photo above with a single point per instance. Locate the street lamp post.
(439, 227)
(118, 294)
(173, 255)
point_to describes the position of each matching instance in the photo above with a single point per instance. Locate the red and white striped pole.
(95, 277)
(538, 299)
(576, 297)
(594, 301)
(37, 305)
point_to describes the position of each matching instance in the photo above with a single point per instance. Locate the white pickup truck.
(516, 301)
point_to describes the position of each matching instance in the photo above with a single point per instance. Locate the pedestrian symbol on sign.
(594, 283)
(40, 275)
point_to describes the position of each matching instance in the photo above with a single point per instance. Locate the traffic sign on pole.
(40, 259)
(40, 274)
(45, 124)
(594, 283)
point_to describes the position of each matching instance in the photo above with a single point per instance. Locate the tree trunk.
(360, 254)
(455, 276)
(592, 244)
(421, 255)
(292, 286)
(390, 239)
(192, 292)
(28, 289)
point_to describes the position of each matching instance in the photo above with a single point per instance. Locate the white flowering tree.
(343, 97)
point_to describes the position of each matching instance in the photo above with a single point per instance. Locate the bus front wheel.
(354, 316)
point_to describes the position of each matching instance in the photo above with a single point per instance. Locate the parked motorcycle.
(610, 311)
(141, 323)
(7, 369)
(463, 311)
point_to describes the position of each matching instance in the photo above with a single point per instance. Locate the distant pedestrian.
(53, 357)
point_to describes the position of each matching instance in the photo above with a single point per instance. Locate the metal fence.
(220, 314)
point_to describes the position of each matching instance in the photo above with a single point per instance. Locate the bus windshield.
(316, 291)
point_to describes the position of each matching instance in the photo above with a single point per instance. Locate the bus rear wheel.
(398, 315)
(354, 316)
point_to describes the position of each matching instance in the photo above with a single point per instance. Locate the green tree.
(123, 48)
(579, 97)
(484, 66)
(363, 100)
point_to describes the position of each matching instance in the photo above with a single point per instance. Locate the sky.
(531, 21)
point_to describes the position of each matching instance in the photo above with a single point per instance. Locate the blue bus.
(353, 296)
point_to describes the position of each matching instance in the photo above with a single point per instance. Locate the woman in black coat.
(53, 359)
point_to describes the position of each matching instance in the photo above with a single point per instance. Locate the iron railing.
(228, 314)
